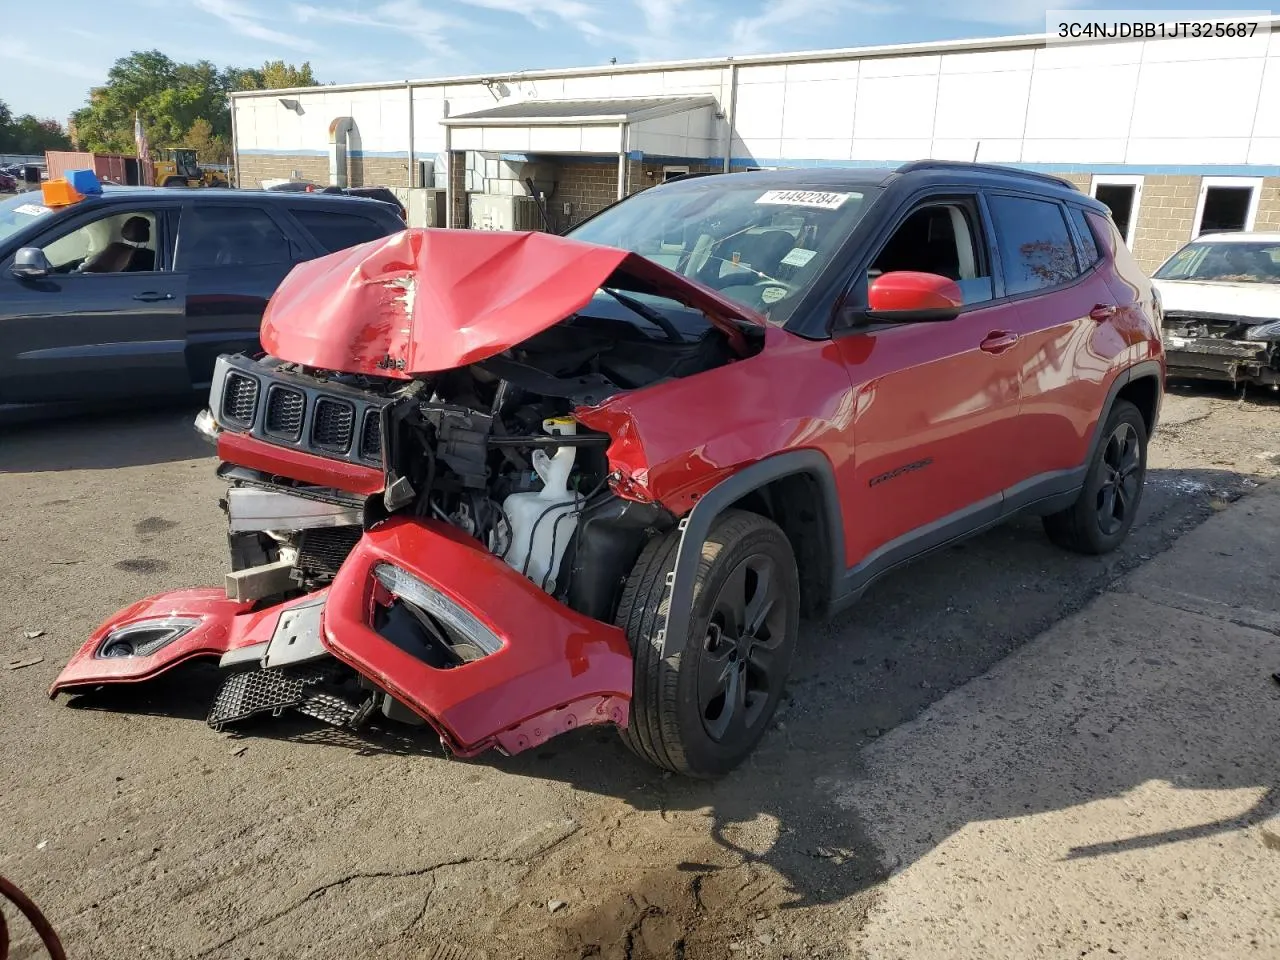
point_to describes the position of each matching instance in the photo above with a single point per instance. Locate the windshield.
(759, 246)
(1231, 262)
(20, 211)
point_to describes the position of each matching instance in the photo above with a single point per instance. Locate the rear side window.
(1088, 250)
(1035, 244)
(228, 236)
(336, 231)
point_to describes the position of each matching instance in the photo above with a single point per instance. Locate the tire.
(1104, 513)
(678, 719)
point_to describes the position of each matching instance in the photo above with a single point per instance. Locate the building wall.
(1269, 206)
(1165, 218)
(254, 168)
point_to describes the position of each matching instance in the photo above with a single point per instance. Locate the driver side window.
(940, 238)
(118, 243)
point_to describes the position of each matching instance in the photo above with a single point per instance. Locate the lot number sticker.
(805, 198)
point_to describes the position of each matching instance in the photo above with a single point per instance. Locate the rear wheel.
(703, 710)
(1108, 505)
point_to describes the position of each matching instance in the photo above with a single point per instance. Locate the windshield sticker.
(806, 198)
(799, 257)
(31, 209)
(773, 294)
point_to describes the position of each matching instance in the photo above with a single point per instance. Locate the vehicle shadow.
(771, 836)
(104, 441)
(1221, 390)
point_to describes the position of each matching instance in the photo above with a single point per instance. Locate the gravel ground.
(141, 832)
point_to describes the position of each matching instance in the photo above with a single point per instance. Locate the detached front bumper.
(553, 669)
(545, 669)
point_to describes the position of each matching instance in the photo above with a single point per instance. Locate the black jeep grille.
(371, 436)
(334, 424)
(285, 409)
(240, 399)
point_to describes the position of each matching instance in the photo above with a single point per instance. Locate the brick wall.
(590, 187)
(1166, 212)
(1081, 180)
(458, 189)
(256, 167)
(378, 171)
(1268, 218)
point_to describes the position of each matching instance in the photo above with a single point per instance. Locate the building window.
(670, 173)
(1121, 194)
(1226, 204)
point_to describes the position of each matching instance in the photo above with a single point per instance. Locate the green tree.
(29, 134)
(170, 98)
(209, 147)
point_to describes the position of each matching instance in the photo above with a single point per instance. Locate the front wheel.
(1108, 504)
(703, 710)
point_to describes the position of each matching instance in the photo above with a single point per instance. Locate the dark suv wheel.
(703, 710)
(1104, 513)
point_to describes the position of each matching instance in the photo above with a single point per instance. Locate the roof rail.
(986, 168)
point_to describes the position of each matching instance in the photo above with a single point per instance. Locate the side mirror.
(905, 296)
(30, 263)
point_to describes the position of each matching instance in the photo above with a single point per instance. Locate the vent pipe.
(339, 138)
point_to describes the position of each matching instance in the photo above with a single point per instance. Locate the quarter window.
(1088, 249)
(337, 231)
(225, 236)
(1035, 244)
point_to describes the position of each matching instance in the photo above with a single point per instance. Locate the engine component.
(543, 522)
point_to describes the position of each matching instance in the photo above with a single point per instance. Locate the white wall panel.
(758, 148)
(1212, 98)
(900, 66)
(601, 139)
(982, 105)
(895, 107)
(1078, 150)
(1200, 49)
(551, 140)
(771, 73)
(911, 149)
(819, 108)
(988, 61)
(1088, 55)
(1265, 150)
(1188, 150)
(823, 70)
(759, 110)
(1092, 101)
(1267, 120)
(816, 148)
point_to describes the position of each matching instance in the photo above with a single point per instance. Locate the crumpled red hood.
(426, 300)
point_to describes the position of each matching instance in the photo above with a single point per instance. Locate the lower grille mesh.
(323, 550)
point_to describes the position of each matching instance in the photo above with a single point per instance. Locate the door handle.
(151, 296)
(998, 341)
(1103, 312)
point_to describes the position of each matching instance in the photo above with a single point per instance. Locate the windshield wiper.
(653, 316)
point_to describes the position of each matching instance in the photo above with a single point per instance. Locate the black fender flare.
(1139, 371)
(696, 526)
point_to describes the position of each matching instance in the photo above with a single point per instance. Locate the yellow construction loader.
(179, 168)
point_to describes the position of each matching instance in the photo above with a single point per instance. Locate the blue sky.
(47, 70)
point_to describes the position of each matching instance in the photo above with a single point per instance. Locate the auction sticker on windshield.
(31, 209)
(820, 199)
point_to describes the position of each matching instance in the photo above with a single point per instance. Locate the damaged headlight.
(407, 587)
(1264, 331)
(142, 638)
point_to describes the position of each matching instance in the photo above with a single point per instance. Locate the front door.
(936, 402)
(107, 323)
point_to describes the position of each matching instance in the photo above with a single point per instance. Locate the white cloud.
(15, 51)
(798, 18)
(543, 14)
(1014, 13)
(248, 22)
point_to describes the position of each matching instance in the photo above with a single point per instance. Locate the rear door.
(1052, 274)
(334, 228)
(85, 336)
(233, 256)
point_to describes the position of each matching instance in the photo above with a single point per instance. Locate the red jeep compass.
(510, 484)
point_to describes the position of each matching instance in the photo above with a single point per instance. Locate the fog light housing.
(405, 586)
(142, 638)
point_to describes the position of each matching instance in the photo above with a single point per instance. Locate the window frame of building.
(669, 172)
(1122, 180)
(1208, 183)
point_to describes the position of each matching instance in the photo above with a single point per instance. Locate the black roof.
(933, 171)
(112, 193)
